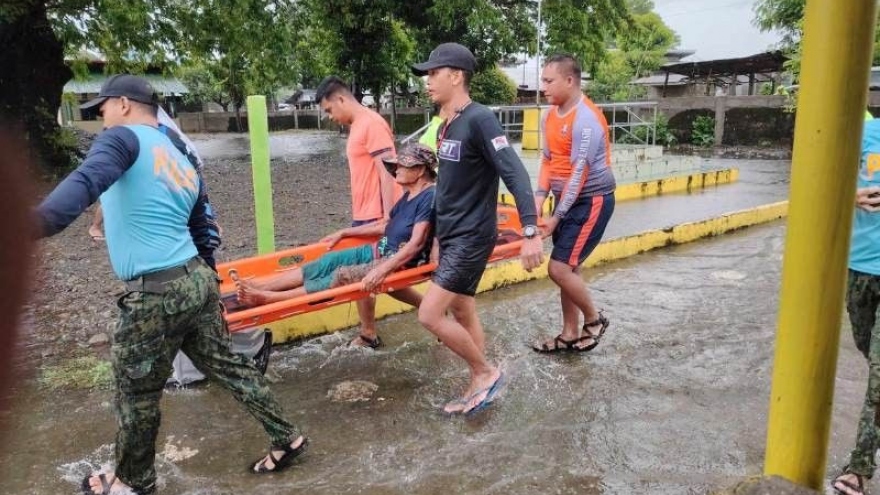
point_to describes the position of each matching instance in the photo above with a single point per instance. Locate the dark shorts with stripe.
(578, 234)
(462, 263)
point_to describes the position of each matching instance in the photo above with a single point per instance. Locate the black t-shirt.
(405, 214)
(473, 153)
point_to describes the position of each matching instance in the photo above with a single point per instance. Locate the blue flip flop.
(491, 393)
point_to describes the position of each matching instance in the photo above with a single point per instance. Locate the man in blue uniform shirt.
(862, 300)
(150, 191)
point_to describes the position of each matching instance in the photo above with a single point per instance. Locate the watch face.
(530, 231)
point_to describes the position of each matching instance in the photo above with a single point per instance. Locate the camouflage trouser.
(151, 329)
(862, 299)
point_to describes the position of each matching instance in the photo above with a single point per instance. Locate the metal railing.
(624, 121)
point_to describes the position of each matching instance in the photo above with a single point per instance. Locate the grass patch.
(85, 372)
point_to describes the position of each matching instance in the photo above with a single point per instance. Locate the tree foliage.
(368, 45)
(493, 87)
(787, 18)
(232, 48)
(491, 29)
(640, 48)
(227, 49)
(583, 28)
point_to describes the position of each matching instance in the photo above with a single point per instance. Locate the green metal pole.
(258, 126)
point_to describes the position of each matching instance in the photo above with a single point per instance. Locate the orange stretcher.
(261, 267)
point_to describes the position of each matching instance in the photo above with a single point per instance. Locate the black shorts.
(462, 263)
(579, 233)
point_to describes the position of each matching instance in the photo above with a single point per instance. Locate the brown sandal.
(559, 345)
(601, 320)
(281, 463)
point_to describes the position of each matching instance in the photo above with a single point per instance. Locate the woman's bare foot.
(251, 296)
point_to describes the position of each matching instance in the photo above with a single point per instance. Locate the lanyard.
(442, 134)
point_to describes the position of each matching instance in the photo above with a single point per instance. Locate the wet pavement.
(674, 400)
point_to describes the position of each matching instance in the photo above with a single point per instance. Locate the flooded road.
(674, 400)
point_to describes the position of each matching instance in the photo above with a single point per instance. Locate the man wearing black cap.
(473, 152)
(149, 189)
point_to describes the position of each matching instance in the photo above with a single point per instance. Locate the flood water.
(673, 401)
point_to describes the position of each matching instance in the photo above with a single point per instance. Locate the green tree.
(613, 80)
(251, 37)
(491, 29)
(493, 87)
(370, 47)
(645, 43)
(233, 48)
(640, 6)
(583, 28)
(640, 50)
(787, 18)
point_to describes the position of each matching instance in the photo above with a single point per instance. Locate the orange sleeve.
(379, 138)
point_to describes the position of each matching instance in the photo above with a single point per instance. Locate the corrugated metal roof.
(660, 79)
(163, 85)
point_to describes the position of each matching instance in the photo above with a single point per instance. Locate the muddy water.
(673, 401)
(289, 145)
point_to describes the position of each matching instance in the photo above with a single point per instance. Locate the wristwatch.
(529, 231)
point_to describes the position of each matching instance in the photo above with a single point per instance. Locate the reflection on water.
(291, 145)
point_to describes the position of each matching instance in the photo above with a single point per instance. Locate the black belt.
(155, 281)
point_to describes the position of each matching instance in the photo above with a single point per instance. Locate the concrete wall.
(406, 121)
(739, 120)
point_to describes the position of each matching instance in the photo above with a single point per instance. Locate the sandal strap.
(569, 344)
(105, 484)
(860, 480)
(601, 320)
(372, 342)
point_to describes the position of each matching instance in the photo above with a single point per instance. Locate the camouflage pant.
(151, 329)
(862, 300)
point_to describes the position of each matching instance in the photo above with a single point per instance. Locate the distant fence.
(405, 121)
(739, 120)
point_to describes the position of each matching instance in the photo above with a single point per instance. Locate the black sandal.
(105, 484)
(601, 320)
(371, 343)
(858, 489)
(566, 345)
(281, 463)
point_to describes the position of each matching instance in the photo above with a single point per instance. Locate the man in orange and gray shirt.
(373, 191)
(576, 168)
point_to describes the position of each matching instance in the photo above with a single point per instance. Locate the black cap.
(447, 55)
(132, 87)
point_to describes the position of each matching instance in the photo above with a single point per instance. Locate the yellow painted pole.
(838, 39)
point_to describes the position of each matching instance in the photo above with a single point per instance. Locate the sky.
(715, 28)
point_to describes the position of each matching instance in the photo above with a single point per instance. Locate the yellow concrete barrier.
(531, 138)
(655, 187)
(511, 272)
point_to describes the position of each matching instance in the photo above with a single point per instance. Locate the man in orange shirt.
(576, 168)
(373, 192)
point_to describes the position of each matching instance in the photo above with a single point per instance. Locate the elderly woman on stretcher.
(405, 243)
